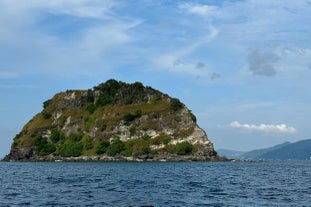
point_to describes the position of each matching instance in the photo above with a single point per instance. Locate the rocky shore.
(26, 155)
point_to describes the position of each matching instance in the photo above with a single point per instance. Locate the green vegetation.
(183, 148)
(103, 127)
(155, 98)
(128, 118)
(43, 147)
(56, 135)
(116, 147)
(47, 103)
(161, 139)
(91, 108)
(194, 119)
(75, 137)
(175, 104)
(71, 149)
(46, 115)
(90, 96)
(89, 123)
(102, 147)
(77, 122)
(88, 143)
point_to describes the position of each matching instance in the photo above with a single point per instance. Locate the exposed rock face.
(111, 122)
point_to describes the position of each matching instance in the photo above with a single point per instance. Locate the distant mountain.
(300, 150)
(296, 151)
(257, 154)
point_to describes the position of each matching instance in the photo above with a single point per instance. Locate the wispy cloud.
(266, 128)
(204, 11)
(62, 36)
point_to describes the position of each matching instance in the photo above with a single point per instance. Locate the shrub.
(43, 147)
(90, 96)
(46, 115)
(161, 139)
(102, 147)
(132, 130)
(89, 123)
(104, 100)
(75, 137)
(128, 147)
(141, 148)
(88, 143)
(175, 104)
(71, 149)
(62, 120)
(194, 119)
(146, 137)
(166, 140)
(136, 147)
(104, 127)
(115, 147)
(183, 148)
(91, 108)
(128, 118)
(47, 103)
(55, 135)
(155, 98)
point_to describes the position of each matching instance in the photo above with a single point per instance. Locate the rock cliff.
(114, 121)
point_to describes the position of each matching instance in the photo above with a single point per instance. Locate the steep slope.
(256, 154)
(300, 150)
(112, 121)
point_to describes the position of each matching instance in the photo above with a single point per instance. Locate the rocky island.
(114, 121)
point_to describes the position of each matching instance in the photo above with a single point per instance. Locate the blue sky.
(243, 67)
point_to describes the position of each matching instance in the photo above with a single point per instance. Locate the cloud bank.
(266, 128)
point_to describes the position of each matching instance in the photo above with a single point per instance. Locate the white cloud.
(61, 36)
(198, 9)
(266, 128)
(78, 8)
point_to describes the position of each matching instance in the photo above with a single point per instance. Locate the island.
(113, 121)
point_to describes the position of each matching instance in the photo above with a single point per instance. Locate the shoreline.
(170, 158)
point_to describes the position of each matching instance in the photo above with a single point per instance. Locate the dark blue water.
(156, 184)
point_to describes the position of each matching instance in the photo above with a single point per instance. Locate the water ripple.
(155, 184)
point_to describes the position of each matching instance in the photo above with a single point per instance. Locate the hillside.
(112, 121)
(300, 150)
(257, 154)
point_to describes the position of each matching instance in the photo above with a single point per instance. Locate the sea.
(274, 183)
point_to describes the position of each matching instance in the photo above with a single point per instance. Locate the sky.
(242, 66)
